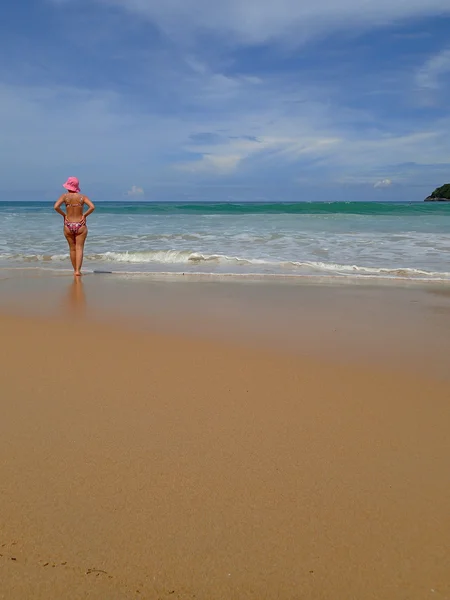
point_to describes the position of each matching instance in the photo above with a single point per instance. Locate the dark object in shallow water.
(102, 272)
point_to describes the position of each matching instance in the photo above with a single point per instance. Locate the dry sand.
(161, 466)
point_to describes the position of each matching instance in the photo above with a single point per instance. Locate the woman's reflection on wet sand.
(76, 299)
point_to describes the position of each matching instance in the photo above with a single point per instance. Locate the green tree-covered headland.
(440, 194)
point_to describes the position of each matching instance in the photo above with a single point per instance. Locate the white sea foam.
(187, 257)
(234, 264)
(178, 257)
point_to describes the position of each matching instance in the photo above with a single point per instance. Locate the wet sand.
(387, 325)
(164, 463)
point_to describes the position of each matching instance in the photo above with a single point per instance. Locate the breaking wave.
(186, 258)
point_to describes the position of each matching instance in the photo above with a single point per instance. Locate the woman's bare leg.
(72, 247)
(79, 249)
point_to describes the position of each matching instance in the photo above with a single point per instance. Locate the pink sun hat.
(72, 184)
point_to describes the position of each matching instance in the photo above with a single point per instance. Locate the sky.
(228, 101)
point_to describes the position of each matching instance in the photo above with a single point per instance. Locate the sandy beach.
(163, 464)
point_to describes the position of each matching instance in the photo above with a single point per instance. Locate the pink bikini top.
(74, 205)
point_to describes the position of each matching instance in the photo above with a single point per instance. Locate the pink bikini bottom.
(74, 227)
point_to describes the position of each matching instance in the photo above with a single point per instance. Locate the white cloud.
(430, 74)
(373, 152)
(135, 191)
(252, 123)
(219, 165)
(224, 158)
(259, 21)
(250, 136)
(383, 183)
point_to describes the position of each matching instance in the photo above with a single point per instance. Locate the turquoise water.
(316, 208)
(359, 239)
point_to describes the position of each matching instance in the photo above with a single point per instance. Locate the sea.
(338, 240)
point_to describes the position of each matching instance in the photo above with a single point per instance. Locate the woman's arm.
(90, 209)
(57, 206)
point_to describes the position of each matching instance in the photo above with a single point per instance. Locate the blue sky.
(230, 100)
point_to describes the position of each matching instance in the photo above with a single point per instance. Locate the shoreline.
(301, 279)
(145, 464)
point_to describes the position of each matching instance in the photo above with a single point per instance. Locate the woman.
(75, 228)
